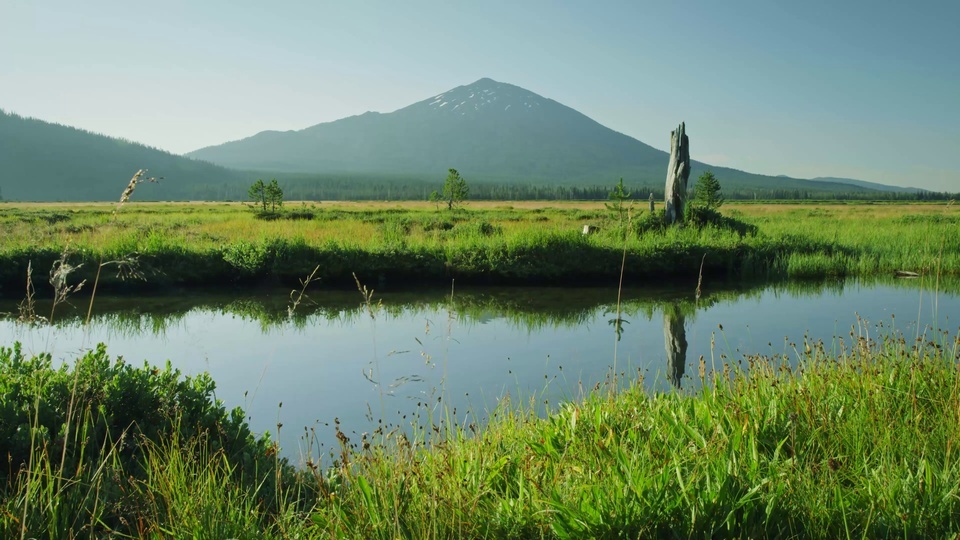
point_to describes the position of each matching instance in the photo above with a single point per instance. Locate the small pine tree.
(258, 194)
(620, 196)
(707, 192)
(455, 189)
(274, 195)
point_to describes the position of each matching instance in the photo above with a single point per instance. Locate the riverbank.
(858, 439)
(161, 245)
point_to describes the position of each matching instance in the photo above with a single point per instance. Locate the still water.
(338, 356)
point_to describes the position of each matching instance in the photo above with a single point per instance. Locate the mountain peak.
(486, 94)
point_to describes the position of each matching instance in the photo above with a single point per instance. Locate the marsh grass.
(792, 445)
(769, 451)
(209, 244)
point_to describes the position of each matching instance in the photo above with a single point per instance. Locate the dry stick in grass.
(124, 198)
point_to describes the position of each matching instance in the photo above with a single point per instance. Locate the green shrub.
(81, 435)
(702, 216)
(248, 258)
(478, 228)
(650, 222)
(435, 223)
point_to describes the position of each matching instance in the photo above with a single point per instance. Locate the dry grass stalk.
(59, 274)
(129, 265)
(304, 283)
(128, 192)
(368, 303)
(27, 309)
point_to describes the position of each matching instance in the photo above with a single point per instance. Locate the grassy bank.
(850, 439)
(218, 244)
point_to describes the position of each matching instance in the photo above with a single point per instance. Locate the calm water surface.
(394, 358)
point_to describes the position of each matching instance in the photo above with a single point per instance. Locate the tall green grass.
(858, 444)
(216, 244)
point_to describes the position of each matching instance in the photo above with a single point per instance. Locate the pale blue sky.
(862, 89)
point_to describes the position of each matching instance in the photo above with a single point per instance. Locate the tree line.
(349, 188)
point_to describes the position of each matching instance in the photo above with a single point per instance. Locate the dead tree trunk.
(678, 171)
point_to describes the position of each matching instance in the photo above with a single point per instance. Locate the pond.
(401, 356)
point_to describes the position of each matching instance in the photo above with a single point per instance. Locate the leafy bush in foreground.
(80, 440)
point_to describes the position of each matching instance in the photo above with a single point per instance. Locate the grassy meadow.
(195, 244)
(856, 438)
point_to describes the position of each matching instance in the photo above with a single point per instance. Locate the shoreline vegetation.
(794, 445)
(791, 445)
(523, 243)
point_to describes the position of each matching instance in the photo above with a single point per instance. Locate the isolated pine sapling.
(707, 191)
(455, 189)
(619, 196)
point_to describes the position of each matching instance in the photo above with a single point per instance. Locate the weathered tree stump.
(652, 206)
(678, 171)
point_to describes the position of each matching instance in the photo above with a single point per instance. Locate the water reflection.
(330, 359)
(675, 342)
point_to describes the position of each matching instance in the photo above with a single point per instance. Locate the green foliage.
(248, 258)
(436, 198)
(477, 228)
(267, 197)
(704, 216)
(455, 189)
(258, 194)
(81, 444)
(194, 245)
(769, 453)
(707, 192)
(650, 222)
(274, 195)
(620, 196)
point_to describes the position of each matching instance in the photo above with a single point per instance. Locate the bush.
(650, 221)
(478, 228)
(97, 421)
(248, 258)
(701, 217)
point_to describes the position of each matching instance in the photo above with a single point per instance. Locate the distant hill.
(867, 185)
(489, 131)
(40, 161)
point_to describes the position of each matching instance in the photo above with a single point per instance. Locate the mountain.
(867, 185)
(40, 161)
(489, 131)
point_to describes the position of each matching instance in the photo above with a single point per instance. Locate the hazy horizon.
(857, 90)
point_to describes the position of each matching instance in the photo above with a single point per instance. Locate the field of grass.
(192, 244)
(858, 439)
